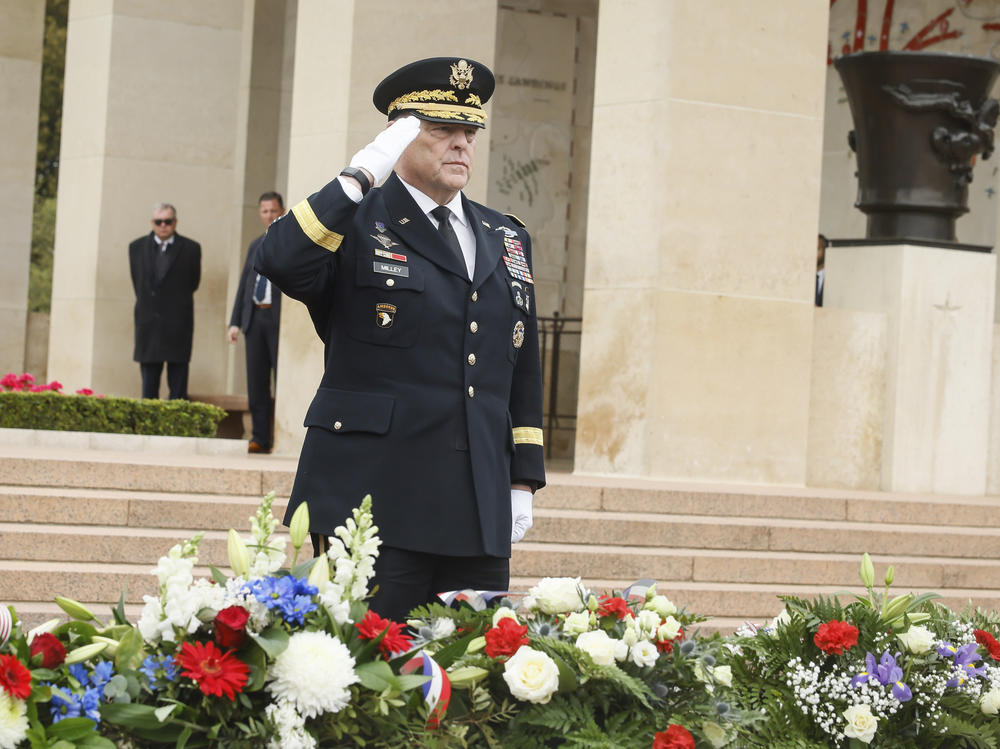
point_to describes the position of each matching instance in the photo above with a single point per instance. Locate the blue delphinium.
(289, 595)
(73, 704)
(157, 670)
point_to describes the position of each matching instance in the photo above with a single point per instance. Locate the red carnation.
(231, 627)
(395, 641)
(48, 646)
(836, 637)
(218, 673)
(15, 678)
(612, 606)
(675, 737)
(506, 638)
(989, 642)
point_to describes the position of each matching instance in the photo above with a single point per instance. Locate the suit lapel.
(412, 225)
(173, 250)
(489, 244)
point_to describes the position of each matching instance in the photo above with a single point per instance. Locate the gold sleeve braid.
(527, 436)
(314, 229)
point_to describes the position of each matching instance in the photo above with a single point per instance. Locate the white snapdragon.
(353, 550)
(558, 595)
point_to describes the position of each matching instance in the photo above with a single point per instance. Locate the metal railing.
(551, 331)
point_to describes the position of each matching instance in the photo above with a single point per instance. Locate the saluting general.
(431, 396)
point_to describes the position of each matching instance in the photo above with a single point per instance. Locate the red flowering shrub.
(48, 646)
(395, 640)
(675, 737)
(231, 627)
(989, 642)
(505, 638)
(835, 637)
(218, 673)
(15, 678)
(612, 606)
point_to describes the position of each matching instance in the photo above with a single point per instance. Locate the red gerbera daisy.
(395, 641)
(15, 678)
(215, 672)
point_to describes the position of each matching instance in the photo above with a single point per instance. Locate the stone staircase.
(89, 524)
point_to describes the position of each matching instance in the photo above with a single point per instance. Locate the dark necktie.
(443, 215)
(260, 290)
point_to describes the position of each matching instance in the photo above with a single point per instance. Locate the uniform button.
(473, 326)
(472, 391)
(472, 358)
(475, 296)
(390, 282)
(337, 425)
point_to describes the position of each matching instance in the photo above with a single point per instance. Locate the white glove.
(381, 155)
(520, 514)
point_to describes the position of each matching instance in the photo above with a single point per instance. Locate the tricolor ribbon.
(638, 589)
(6, 624)
(477, 599)
(437, 691)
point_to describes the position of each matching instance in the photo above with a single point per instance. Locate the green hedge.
(86, 413)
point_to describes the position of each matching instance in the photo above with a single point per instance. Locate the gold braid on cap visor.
(418, 100)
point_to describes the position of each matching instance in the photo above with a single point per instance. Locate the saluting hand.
(380, 156)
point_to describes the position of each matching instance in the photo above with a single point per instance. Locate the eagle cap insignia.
(461, 75)
(518, 334)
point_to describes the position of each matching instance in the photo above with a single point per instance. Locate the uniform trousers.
(261, 338)
(177, 379)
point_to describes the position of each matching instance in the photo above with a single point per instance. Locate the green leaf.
(119, 611)
(272, 641)
(450, 653)
(405, 682)
(72, 729)
(375, 675)
(128, 657)
(218, 576)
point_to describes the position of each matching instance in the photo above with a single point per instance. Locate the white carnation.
(599, 646)
(289, 727)
(644, 653)
(577, 623)
(531, 675)
(13, 721)
(861, 724)
(990, 702)
(558, 595)
(918, 640)
(313, 674)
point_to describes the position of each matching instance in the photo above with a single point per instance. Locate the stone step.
(777, 567)
(137, 509)
(759, 534)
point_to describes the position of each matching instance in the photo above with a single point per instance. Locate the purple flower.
(964, 659)
(885, 672)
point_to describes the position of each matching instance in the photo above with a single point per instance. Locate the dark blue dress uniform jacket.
(432, 394)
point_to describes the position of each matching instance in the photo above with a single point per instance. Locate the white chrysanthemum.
(644, 653)
(313, 674)
(13, 721)
(558, 595)
(289, 727)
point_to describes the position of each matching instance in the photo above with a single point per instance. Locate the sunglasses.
(163, 221)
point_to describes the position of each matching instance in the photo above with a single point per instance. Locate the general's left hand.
(520, 512)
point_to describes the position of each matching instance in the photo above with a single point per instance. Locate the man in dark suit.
(432, 394)
(257, 312)
(821, 244)
(166, 270)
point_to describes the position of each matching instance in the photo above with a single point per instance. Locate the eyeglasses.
(163, 221)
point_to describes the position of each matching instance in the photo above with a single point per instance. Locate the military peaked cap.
(438, 89)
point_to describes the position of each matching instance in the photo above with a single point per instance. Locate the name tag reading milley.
(391, 269)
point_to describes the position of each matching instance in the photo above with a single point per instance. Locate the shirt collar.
(163, 243)
(428, 204)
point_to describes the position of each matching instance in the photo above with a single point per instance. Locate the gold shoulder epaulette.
(515, 219)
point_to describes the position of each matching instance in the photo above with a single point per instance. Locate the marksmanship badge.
(461, 75)
(518, 334)
(385, 314)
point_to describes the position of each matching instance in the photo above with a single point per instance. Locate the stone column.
(151, 113)
(21, 37)
(939, 346)
(701, 235)
(342, 51)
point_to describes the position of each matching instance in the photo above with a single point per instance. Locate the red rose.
(48, 646)
(231, 627)
(395, 640)
(505, 638)
(675, 737)
(989, 642)
(15, 679)
(612, 606)
(836, 637)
